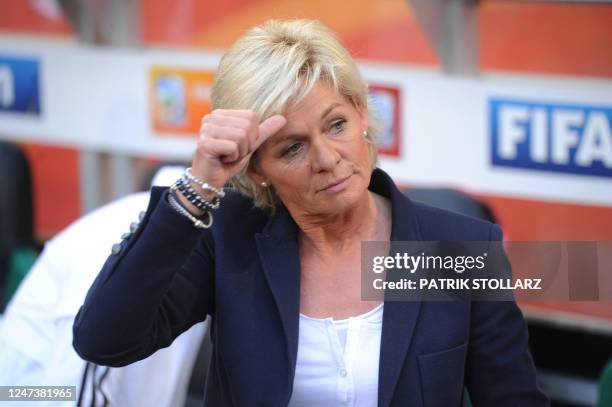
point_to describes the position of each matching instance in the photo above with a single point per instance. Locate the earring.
(264, 184)
(365, 133)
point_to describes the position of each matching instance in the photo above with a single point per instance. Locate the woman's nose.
(325, 156)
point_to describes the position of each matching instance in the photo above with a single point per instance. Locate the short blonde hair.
(276, 64)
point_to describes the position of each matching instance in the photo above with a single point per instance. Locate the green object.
(467, 402)
(605, 386)
(20, 262)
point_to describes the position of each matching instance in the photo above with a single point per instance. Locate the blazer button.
(133, 227)
(116, 248)
(141, 215)
(126, 235)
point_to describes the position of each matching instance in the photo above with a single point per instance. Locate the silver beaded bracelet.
(204, 185)
(177, 206)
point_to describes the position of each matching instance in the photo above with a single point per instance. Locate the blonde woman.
(276, 261)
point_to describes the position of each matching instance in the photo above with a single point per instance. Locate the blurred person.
(36, 333)
(275, 261)
(18, 247)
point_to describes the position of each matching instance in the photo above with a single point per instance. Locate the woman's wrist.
(211, 190)
(201, 222)
(195, 199)
(194, 210)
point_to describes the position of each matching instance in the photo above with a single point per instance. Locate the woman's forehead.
(316, 105)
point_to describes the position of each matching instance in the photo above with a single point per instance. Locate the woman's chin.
(342, 202)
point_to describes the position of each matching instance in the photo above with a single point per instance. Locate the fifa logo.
(551, 137)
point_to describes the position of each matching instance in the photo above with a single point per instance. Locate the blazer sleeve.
(500, 369)
(156, 286)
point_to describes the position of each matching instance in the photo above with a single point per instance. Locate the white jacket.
(36, 331)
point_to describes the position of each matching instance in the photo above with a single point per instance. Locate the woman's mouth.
(338, 185)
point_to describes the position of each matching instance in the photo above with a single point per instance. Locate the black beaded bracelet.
(188, 188)
(185, 188)
(195, 199)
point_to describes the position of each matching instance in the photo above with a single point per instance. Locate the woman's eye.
(338, 125)
(292, 150)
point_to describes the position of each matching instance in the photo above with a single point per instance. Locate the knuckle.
(244, 122)
(208, 128)
(241, 133)
(202, 143)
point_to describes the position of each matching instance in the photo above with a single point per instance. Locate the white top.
(337, 361)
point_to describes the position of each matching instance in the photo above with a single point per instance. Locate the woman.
(279, 270)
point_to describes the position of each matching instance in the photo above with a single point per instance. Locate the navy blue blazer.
(244, 272)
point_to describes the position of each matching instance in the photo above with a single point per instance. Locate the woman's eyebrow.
(329, 109)
(288, 136)
(285, 137)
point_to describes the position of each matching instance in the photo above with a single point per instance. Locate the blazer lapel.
(279, 255)
(399, 317)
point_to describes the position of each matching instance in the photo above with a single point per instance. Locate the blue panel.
(19, 85)
(574, 139)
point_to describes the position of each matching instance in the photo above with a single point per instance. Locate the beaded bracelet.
(204, 185)
(191, 196)
(177, 206)
(184, 183)
(185, 188)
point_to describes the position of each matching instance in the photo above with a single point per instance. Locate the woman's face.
(318, 162)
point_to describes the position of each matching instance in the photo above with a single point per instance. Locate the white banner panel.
(524, 136)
